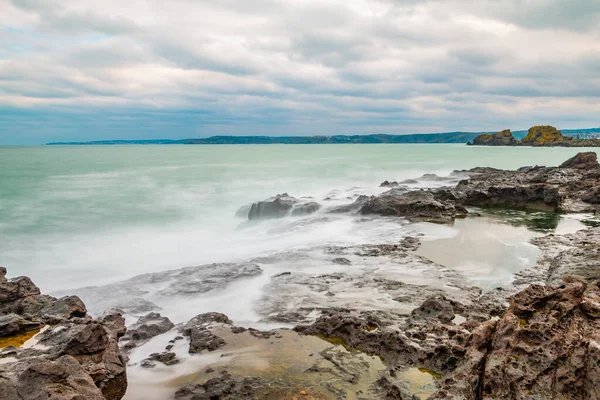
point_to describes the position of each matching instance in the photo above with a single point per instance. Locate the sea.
(74, 216)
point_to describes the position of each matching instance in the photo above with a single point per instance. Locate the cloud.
(73, 70)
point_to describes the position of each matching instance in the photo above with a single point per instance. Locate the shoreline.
(440, 335)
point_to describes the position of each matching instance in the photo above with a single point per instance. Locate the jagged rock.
(545, 135)
(39, 378)
(201, 338)
(13, 324)
(435, 308)
(167, 358)
(389, 184)
(587, 160)
(274, 207)
(503, 138)
(72, 357)
(554, 189)
(360, 200)
(545, 346)
(149, 326)
(224, 387)
(306, 208)
(146, 292)
(417, 204)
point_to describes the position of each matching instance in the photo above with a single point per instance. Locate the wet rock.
(435, 308)
(389, 184)
(571, 254)
(341, 261)
(420, 205)
(569, 188)
(224, 387)
(17, 289)
(274, 207)
(149, 326)
(306, 209)
(201, 337)
(146, 292)
(347, 208)
(167, 358)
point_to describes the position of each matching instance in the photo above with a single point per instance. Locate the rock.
(341, 261)
(571, 254)
(552, 189)
(224, 387)
(503, 138)
(39, 378)
(149, 326)
(587, 160)
(274, 207)
(167, 358)
(146, 292)
(306, 208)
(13, 324)
(201, 337)
(415, 205)
(544, 136)
(545, 346)
(360, 200)
(435, 308)
(16, 289)
(72, 357)
(389, 184)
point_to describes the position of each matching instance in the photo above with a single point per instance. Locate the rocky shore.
(361, 322)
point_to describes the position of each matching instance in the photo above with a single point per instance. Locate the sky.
(76, 70)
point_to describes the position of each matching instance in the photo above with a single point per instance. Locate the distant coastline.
(447, 137)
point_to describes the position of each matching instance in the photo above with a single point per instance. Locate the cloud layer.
(84, 69)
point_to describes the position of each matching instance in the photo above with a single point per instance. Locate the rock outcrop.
(415, 205)
(545, 135)
(503, 138)
(569, 188)
(281, 206)
(545, 346)
(50, 348)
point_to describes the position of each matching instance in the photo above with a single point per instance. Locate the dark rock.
(274, 207)
(360, 200)
(224, 387)
(13, 324)
(389, 184)
(198, 330)
(167, 358)
(419, 204)
(149, 326)
(587, 160)
(503, 138)
(306, 208)
(341, 261)
(435, 308)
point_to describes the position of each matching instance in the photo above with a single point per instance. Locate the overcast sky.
(108, 69)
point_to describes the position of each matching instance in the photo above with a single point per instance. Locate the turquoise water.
(71, 216)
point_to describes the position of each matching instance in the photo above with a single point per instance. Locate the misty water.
(74, 217)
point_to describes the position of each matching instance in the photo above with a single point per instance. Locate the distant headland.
(538, 136)
(476, 138)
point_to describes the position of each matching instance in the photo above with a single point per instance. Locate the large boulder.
(587, 160)
(274, 207)
(503, 138)
(545, 135)
(545, 346)
(419, 204)
(52, 349)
